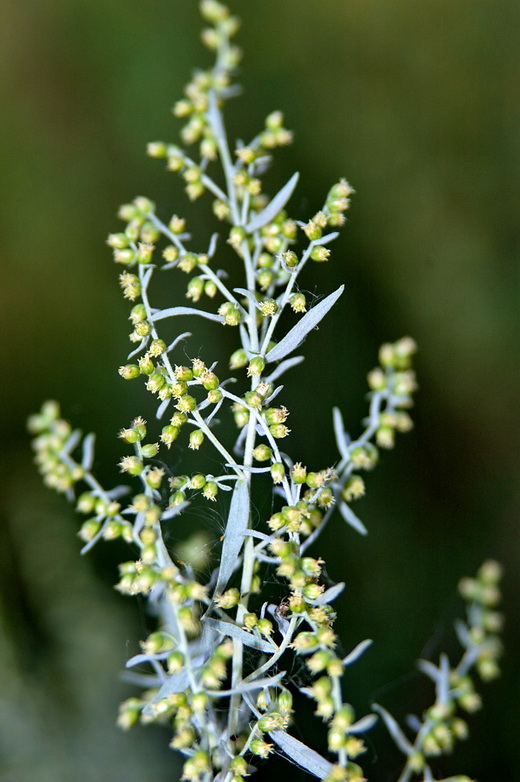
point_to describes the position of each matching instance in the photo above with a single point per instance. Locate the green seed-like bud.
(177, 498)
(265, 626)
(312, 230)
(264, 278)
(157, 347)
(299, 473)
(155, 382)
(129, 371)
(150, 450)
(186, 404)
(210, 491)
(85, 503)
(178, 419)
(279, 431)
(195, 289)
(353, 488)
(229, 599)
(146, 365)
(320, 253)
(210, 289)
(196, 439)
(298, 302)
(197, 481)
(169, 434)
(277, 472)
(262, 452)
(250, 621)
(215, 396)
(209, 380)
(236, 236)
(88, 529)
(131, 465)
(256, 366)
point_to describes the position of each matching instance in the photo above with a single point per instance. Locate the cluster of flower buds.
(441, 726)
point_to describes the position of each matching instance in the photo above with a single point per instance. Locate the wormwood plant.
(215, 668)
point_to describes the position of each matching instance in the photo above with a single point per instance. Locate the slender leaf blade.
(170, 312)
(357, 651)
(351, 518)
(301, 754)
(294, 338)
(394, 729)
(274, 206)
(236, 527)
(248, 639)
(329, 595)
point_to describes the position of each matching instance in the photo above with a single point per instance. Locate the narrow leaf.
(351, 518)
(339, 431)
(329, 595)
(394, 729)
(177, 682)
(357, 651)
(170, 312)
(429, 669)
(283, 366)
(88, 451)
(248, 639)
(364, 724)
(301, 754)
(310, 320)
(234, 535)
(257, 684)
(274, 206)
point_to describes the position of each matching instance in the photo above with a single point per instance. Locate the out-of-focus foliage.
(419, 106)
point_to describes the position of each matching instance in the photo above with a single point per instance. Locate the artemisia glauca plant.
(218, 659)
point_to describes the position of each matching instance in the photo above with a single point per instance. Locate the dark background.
(418, 106)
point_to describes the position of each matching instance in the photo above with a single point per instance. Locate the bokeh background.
(418, 105)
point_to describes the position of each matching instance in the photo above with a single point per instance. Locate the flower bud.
(277, 472)
(196, 439)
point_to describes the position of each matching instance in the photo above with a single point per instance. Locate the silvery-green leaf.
(294, 338)
(463, 634)
(428, 668)
(170, 312)
(257, 684)
(176, 682)
(282, 367)
(339, 431)
(88, 451)
(169, 513)
(177, 340)
(72, 442)
(248, 639)
(162, 408)
(443, 685)
(301, 754)
(351, 518)
(395, 731)
(236, 527)
(138, 349)
(274, 206)
(357, 651)
(329, 595)
(140, 659)
(364, 724)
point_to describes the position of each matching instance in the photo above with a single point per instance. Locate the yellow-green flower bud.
(129, 371)
(146, 365)
(320, 253)
(229, 599)
(256, 366)
(250, 621)
(262, 452)
(353, 488)
(279, 431)
(195, 289)
(210, 491)
(197, 482)
(169, 434)
(277, 472)
(150, 450)
(89, 529)
(196, 439)
(209, 380)
(265, 627)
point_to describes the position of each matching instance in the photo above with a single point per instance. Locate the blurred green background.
(418, 105)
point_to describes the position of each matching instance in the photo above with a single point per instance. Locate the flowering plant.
(217, 663)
